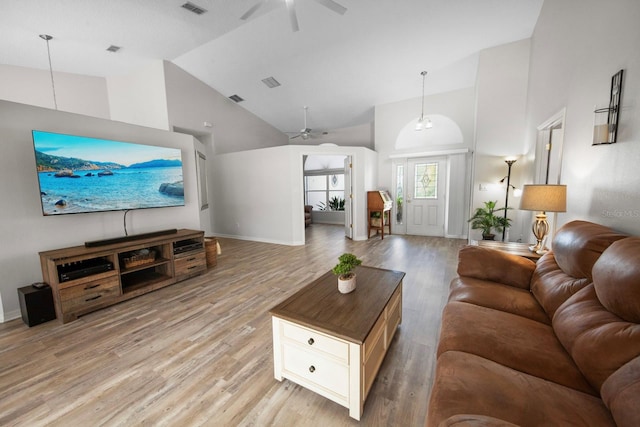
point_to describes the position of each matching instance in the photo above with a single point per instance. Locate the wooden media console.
(84, 279)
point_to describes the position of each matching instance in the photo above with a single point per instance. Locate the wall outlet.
(483, 187)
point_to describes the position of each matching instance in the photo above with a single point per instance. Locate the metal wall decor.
(607, 132)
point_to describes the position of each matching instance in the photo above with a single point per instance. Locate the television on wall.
(79, 174)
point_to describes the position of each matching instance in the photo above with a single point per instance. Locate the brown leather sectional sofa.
(552, 343)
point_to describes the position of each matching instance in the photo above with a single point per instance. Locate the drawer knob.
(311, 341)
(312, 368)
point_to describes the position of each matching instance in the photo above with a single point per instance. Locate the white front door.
(425, 198)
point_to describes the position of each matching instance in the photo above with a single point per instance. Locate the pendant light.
(423, 123)
(46, 38)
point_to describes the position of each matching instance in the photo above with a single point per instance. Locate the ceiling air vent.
(193, 8)
(113, 48)
(236, 98)
(271, 82)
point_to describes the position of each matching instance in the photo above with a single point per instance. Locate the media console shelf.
(84, 279)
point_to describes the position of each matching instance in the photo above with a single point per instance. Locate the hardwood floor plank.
(199, 353)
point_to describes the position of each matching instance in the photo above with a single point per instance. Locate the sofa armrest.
(497, 266)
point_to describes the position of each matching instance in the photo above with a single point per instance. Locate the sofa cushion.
(616, 278)
(566, 270)
(551, 286)
(599, 341)
(514, 341)
(620, 393)
(579, 244)
(497, 296)
(490, 264)
(469, 384)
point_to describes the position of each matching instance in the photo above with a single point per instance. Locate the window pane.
(399, 193)
(426, 181)
(336, 182)
(314, 198)
(316, 182)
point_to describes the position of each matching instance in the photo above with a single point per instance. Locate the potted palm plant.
(344, 271)
(485, 219)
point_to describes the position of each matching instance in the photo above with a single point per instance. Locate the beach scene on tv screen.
(80, 174)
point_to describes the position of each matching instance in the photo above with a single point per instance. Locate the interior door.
(549, 161)
(348, 198)
(425, 198)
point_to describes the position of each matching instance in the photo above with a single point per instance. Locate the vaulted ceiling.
(339, 65)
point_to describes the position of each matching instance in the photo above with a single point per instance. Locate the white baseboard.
(11, 315)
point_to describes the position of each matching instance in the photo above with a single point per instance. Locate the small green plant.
(485, 219)
(344, 269)
(336, 204)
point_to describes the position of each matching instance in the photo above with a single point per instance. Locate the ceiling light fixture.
(423, 123)
(46, 38)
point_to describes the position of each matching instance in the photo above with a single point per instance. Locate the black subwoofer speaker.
(36, 305)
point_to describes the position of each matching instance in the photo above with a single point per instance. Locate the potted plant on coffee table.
(344, 271)
(485, 219)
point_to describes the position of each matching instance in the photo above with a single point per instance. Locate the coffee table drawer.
(316, 371)
(395, 314)
(315, 341)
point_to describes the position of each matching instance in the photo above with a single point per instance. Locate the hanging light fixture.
(423, 122)
(46, 38)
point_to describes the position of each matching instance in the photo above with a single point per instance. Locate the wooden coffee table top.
(351, 316)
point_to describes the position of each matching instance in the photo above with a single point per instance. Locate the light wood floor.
(200, 353)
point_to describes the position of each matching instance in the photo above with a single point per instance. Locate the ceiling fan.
(305, 132)
(291, 7)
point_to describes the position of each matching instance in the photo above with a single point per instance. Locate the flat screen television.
(79, 174)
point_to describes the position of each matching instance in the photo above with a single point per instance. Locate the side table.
(514, 248)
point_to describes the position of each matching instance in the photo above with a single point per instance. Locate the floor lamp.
(543, 198)
(506, 200)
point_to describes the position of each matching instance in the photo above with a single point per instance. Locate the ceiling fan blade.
(252, 10)
(333, 6)
(294, 137)
(291, 7)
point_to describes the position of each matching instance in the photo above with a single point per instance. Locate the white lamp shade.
(544, 198)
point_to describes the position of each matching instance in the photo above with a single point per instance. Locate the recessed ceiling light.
(113, 48)
(236, 98)
(193, 8)
(271, 82)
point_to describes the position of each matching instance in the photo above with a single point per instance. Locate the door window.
(426, 181)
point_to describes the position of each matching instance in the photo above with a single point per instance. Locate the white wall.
(576, 47)
(259, 194)
(25, 231)
(501, 89)
(191, 103)
(140, 98)
(501, 101)
(74, 93)
(454, 110)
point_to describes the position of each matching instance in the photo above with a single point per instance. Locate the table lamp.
(543, 198)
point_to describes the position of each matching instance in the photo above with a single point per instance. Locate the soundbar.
(105, 242)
